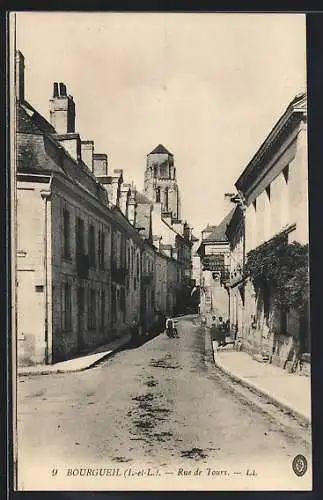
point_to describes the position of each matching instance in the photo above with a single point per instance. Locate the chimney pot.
(62, 89)
(62, 110)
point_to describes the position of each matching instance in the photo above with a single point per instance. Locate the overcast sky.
(208, 86)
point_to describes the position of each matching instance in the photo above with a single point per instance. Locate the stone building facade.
(161, 282)
(94, 254)
(236, 283)
(63, 240)
(274, 190)
(214, 252)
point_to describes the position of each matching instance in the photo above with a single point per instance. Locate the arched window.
(158, 195)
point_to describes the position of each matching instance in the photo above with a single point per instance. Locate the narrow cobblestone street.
(155, 406)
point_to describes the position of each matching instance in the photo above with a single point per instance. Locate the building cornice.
(290, 120)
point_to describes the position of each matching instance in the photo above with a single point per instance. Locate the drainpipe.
(46, 194)
(243, 207)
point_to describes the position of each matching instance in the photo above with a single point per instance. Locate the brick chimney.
(132, 206)
(62, 110)
(178, 226)
(112, 184)
(117, 181)
(87, 149)
(100, 164)
(62, 117)
(20, 76)
(124, 197)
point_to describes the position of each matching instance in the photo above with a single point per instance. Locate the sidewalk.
(291, 392)
(77, 364)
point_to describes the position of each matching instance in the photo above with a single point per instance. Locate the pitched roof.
(218, 233)
(34, 157)
(208, 228)
(160, 149)
(29, 154)
(235, 222)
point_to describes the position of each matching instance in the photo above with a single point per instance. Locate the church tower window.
(166, 199)
(164, 170)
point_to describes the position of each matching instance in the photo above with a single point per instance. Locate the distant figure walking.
(213, 329)
(134, 331)
(221, 328)
(171, 329)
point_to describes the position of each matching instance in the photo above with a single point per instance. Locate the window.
(91, 310)
(91, 236)
(101, 249)
(138, 266)
(164, 170)
(122, 251)
(66, 234)
(132, 266)
(158, 195)
(129, 257)
(115, 248)
(102, 322)
(123, 303)
(268, 192)
(113, 305)
(254, 204)
(118, 254)
(80, 235)
(67, 307)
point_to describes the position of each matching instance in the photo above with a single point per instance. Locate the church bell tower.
(160, 184)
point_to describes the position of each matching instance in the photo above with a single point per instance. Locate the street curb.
(261, 392)
(52, 370)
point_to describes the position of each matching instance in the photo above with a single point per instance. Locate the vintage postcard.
(160, 251)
